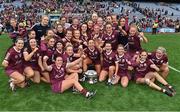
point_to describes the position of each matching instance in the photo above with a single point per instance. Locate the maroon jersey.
(100, 36)
(84, 38)
(108, 59)
(94, 54)
(122, 61)
(143, 68)
(67, 58)
(158, 61)
(57, 74)
(50, 53)
(15, 59)
(76, 46)
(65, 41)
(33, 62)
(134, 43)
(113, 38)
(57, 53)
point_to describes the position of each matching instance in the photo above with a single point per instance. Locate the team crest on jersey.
(123, 60)
(110, 58)
(16, 56)
(20, 55)
(145, 64)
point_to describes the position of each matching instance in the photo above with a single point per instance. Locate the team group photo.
(88, 55)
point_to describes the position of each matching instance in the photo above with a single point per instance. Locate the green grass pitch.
(134, 97)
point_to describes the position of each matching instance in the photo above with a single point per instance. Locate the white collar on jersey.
(16, 50)
(92, 50)
(108, 53)
(142, 61)
(120, 56)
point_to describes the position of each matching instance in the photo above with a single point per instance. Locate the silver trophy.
(91, 76)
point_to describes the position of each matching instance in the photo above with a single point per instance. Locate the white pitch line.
(174, 69)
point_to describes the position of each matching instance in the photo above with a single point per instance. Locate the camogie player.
(134, 42)
(160, 59)
(76, 41)
(134, 39)
(47, 51)
(111, 36)
(122, 66)
(92, 57)
(68, 38)
(13, 64)
(59, 50)
(69, 56)
(33, 61)
(84, 35)
(123, 33)
(97, 36)
(108, 63)
(60, 81)
(144, 74)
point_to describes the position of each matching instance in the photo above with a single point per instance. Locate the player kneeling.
(160, 59)
(60, 81)
(122, 66)
(92, 57)
(108, 67)
(144, 74)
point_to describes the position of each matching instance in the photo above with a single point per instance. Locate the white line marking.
(174, 69)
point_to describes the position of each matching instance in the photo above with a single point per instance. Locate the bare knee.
(21, 79)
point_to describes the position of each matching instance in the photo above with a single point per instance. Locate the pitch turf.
(134, 97)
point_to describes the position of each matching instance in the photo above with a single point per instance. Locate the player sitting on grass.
(144, 74)
(60, 81)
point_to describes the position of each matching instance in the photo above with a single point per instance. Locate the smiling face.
(132, 31)
(91, 44)
(122, 22)
(69, 50)
(45, 21)
(84, 27)
(69, 34)
(75, 22)
(108, 19)
(32, 43)
(19, 44)
(108, 47)
(100, 21)
(59, 28)
(77, 34)
(51, 42)
(59, 61)
(159, 53)
(90, 24)
(120, 50)
(50, 33)
(109, 28)
(59, 46)
(96, 29)
(32, 34)
(143, 56)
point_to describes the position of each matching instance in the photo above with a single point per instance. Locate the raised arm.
(28, 56)
(48, 68)
(68, 65)
(144, 39)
